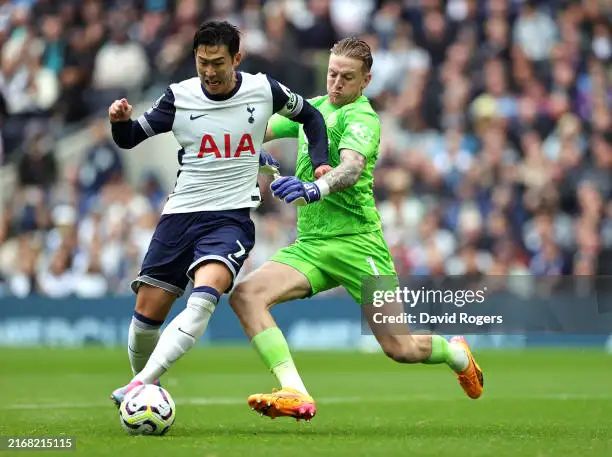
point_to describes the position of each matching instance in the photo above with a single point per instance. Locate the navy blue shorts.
(184, 241)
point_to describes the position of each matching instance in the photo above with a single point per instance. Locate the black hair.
(217, 33)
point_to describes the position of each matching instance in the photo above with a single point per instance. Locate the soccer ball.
(147, 410)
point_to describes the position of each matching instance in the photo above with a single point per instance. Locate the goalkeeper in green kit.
(339, 242)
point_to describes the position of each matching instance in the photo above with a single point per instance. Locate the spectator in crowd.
(120, 65)
(101, 164)
(535, 32)
(37, 165)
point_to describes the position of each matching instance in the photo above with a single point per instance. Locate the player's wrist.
(323, 187)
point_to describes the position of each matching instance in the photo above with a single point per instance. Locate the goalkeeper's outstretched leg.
(403, 347)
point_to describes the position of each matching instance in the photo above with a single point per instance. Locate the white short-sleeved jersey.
(220, 138)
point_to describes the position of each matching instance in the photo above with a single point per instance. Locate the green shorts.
(340, 261)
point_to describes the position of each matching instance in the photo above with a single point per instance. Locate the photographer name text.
(427, 318)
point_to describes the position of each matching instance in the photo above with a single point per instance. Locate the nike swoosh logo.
(183, 331)
(193, 118)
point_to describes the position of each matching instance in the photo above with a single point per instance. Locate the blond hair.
(354, 48)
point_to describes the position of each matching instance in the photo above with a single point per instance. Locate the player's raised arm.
(128, 133)
(294, 107)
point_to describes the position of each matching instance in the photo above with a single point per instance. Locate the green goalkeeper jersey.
(354, 126)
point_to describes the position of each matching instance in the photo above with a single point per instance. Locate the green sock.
(272, 347)
(274, 351)
(444, 352)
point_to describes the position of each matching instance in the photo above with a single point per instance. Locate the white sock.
(459, 358)
(287, 376)
(142, 338)
(180, 335)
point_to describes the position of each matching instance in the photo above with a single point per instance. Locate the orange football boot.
(284, 402)
(471, 379)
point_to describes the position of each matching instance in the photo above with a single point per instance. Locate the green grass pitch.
(554, 403)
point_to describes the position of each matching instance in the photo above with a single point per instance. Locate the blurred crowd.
(495, 155)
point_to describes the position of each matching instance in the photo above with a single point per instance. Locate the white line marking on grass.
(231, 401)
(197, 401)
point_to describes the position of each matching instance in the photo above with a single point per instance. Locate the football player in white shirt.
(205, 232)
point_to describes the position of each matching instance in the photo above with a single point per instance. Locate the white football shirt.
(220, 138)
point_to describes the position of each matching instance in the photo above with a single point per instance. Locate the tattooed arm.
(346, 174)
(293, 190)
